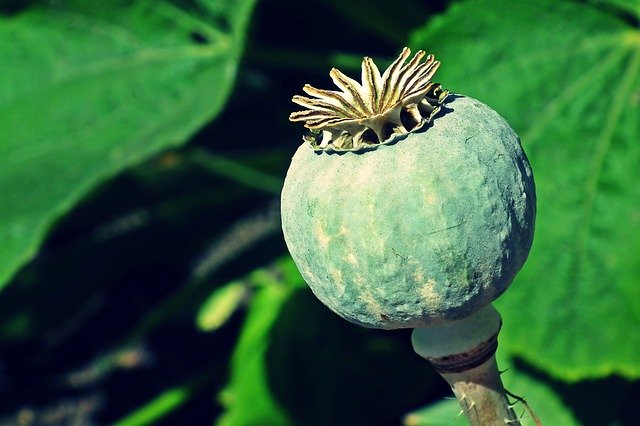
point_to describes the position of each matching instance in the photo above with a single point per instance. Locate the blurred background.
(143, 275)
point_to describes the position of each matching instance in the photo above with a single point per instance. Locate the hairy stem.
(481, 395)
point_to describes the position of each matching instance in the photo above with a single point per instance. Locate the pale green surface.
(544, 402)
(457, 337)
(570, 89)
(92, 89)
(413, 233)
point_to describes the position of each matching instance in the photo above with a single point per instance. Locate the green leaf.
(567, 76)
(162, 408)
(165, 403)
(541, 399)
(247, 397)
(220, 305)
(94, 87)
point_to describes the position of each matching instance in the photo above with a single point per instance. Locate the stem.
(482, 396)
(463, 352)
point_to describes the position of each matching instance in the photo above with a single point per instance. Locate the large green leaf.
(567, 76)
(89, 88)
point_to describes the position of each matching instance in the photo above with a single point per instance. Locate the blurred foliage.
(141, 263)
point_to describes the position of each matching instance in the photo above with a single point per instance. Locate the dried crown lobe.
(367, 114)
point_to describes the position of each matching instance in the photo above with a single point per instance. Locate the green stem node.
(463, 352)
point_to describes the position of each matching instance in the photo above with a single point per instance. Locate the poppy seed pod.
(410, 207)
(411, 222)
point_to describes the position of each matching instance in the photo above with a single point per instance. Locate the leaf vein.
(602, 148)
(553, 109)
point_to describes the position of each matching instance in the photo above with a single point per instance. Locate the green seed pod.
(406, 209)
